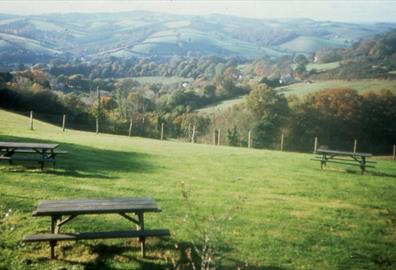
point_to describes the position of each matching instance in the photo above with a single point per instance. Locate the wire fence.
(142, 128)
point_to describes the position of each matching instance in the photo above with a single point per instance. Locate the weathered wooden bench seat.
(95, 235)
(28, 159)
(29, 151)
(345, 162)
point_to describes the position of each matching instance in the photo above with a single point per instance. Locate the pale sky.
(336, 10)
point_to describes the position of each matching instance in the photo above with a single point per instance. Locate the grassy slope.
(223, 105)
(292, 214)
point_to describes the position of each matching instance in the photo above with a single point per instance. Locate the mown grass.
(278, 210)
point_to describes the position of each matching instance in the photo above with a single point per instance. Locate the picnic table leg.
(53, 157)
(141, 239)
(363, 164)
(323, 161)
(54, 229)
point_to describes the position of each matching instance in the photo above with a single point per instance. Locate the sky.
(335, 10)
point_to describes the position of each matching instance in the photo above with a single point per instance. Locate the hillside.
(262, 209)
(143, 34)
(302, 88)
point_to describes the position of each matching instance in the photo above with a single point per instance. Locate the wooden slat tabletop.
(96, 206)
(345, 153)
(22, 145)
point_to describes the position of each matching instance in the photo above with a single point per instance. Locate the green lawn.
(261, 209)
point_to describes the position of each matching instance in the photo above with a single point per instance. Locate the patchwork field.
(260, 209)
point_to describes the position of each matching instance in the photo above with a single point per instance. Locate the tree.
(267, 104)
(271, 110)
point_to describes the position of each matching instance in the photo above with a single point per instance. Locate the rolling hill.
(143, 34)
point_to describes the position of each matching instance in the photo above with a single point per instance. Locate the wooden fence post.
(130, 127)
(282, 139)
(218, 136)
(189, 132)
(214, 137)
(97, 125)
(31, 120)
(394, 152)
(64, 123)
(193, 135)
(354, 145)
(249, 139)
(162, 131)
(315, 145)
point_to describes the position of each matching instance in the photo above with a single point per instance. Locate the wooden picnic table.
(46, 152)
(328, 155)
(73, 208)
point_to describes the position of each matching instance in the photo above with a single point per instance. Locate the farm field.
(161, 79)
(301, 88)
(222, 105)
(361, 86)
(261, 209)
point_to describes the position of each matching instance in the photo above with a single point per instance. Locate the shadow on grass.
(357, 172)
(85, 162)
(157, 257)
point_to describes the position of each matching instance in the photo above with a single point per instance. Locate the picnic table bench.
(344, 157)
(43, 152)
(73, 208)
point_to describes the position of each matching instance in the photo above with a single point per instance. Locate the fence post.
(249, 139)
(214, 137)
(130, 127)
(97, 125)
(315, 145)
(394, 152)
(189, 132)
(162, 131)
(282, 139)
(31, 120)
(218, 136)
(64, 123)
(354, 146)
(193, 135)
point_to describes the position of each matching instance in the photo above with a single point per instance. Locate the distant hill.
(142, 34)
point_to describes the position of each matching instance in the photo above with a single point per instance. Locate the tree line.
(335, 116)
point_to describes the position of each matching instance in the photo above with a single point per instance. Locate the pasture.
(301, 88)
(260, 209)
(364, 85)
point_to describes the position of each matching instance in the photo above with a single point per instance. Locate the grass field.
(302, 88)
(223, 105)
(162, 80)
(361, 86)
(323, 67)
(261, 209)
